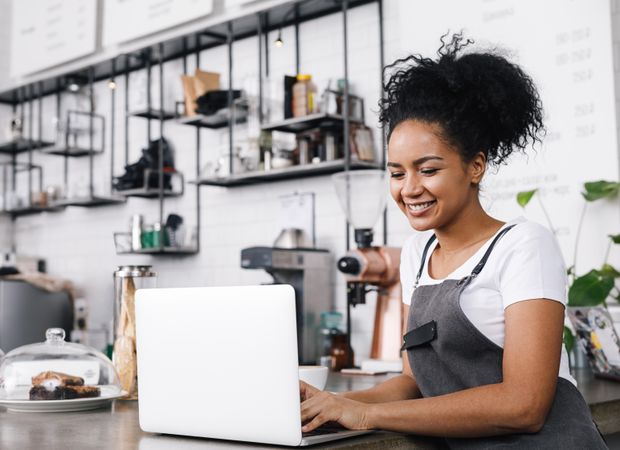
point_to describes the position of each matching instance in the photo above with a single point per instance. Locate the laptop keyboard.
(328, 428)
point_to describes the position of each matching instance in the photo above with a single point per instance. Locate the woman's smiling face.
(428, 179)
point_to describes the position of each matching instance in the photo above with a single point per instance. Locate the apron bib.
(447, 353)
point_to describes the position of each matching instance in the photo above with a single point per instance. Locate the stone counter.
(116, 427)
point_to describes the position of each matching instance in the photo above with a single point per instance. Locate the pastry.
(52, 379)
(63, 392)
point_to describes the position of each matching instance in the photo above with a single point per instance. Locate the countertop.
(116, 427)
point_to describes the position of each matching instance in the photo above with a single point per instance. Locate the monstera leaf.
(596, 190)
(591, 289)
(523, 198)
(609, 271)
(615, 238)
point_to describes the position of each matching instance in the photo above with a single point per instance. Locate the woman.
(484, 364)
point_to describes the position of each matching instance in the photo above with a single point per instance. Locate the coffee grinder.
(362, 195)
(309, 271)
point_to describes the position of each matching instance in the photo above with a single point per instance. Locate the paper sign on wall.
(45, 34)
(125, 20)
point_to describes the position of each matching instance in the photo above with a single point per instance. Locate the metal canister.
(128, 279)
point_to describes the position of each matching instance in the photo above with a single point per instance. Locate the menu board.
(566, 47)
(125, 20)
(48, 33)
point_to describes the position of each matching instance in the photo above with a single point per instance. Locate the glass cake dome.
(57, 370)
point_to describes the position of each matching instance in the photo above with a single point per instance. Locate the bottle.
(136, 232)
(304, 93)
(332, 341)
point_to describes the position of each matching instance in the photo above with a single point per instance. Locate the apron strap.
(428, 245)
(483, 261)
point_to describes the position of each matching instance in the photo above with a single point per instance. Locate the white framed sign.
(124, 20)
(48, 33)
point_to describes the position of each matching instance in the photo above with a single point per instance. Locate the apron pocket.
(420, 335)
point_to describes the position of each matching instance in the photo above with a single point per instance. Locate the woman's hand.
(319, 407)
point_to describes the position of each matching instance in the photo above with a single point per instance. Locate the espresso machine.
(362, 195)
(309, 271)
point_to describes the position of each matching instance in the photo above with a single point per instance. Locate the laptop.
(221, 363)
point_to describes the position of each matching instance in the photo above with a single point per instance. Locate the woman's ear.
(477, 167)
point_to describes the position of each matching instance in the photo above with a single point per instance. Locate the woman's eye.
(428, 171)
(396, 174)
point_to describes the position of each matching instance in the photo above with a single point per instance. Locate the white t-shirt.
(526, 263)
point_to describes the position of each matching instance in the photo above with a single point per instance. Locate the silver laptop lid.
(219, 362)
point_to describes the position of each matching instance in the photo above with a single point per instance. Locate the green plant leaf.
(590, 289)
(609, 271)
(523, 198)
(596, 190)
(615, 238)
(569, 339)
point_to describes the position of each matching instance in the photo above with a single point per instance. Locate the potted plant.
(596, 286)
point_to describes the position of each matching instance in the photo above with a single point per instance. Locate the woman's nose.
(411, 187)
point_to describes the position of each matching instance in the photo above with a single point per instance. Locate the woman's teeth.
(421, 206)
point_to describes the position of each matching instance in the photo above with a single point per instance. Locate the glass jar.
(57, 370)
(304, 94)
(127, 279)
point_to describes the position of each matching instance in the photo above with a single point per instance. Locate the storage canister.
(128, 279)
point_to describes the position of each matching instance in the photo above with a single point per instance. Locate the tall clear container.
(128, 279)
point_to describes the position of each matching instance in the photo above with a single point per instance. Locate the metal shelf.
(74, 152)
(214, 121)
(23, 145)
(299, 124)
(162, 251)
(152, 113)
(30, 210)
(148, 193)
(306, 170)
(89, 202)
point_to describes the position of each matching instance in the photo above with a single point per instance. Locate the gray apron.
(447, 353)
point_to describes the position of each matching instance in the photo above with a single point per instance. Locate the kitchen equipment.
(309, 271)
(62, 372)
(8, 264)
(127, 279)
(293, 238)
(362, 195)
(27, 311)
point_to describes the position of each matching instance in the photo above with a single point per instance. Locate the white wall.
(77, 243)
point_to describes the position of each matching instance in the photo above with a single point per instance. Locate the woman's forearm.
(402, 387)
(481, 411)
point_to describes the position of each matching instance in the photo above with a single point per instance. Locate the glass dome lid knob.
(55, 335)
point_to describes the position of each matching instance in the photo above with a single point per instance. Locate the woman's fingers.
(310, 408)
(318, 420)
(306, 390)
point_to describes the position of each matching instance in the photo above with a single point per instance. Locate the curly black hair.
(481, 101)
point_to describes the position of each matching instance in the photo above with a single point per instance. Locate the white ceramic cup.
(314, 375)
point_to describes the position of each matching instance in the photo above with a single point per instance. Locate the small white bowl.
(314, 375)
